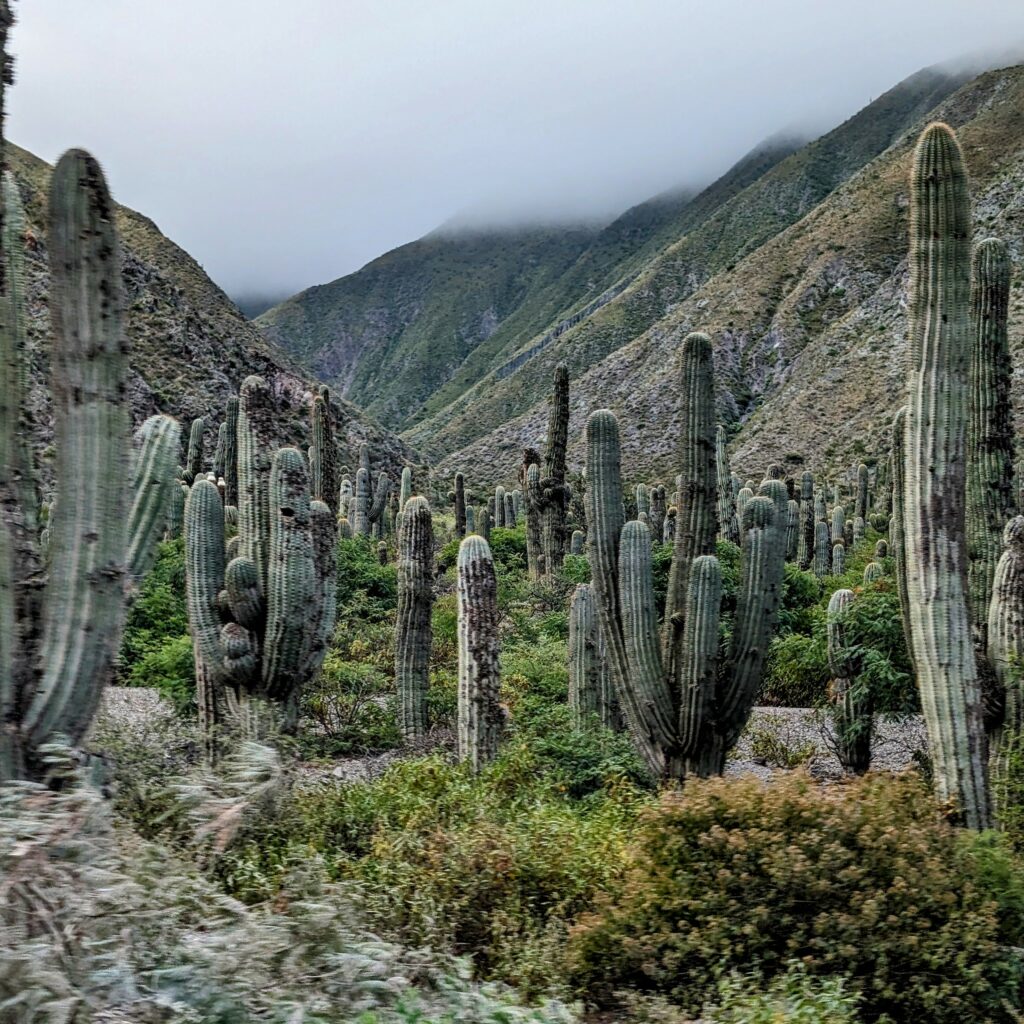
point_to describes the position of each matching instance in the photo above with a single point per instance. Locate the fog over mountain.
(285, 145)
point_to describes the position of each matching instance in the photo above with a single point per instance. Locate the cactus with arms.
(58, 640)
(683, 709)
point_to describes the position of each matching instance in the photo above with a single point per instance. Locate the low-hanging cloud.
(287, 144)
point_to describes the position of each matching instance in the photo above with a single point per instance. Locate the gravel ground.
(775, 739)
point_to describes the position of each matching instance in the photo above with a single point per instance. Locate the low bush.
(862, 880)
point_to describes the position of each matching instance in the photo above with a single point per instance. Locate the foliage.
(795, 997)
(861, 880)
(367, 590)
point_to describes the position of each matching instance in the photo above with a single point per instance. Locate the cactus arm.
(231, 451)
(154, 486)
(940, 634)
(204, 574)
(699, 657)
(242, 587)
(83, 614)
(413, 634)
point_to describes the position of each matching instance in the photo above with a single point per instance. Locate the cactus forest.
(647, 673)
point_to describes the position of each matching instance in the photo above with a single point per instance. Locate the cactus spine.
(852, 701)
(940, 634)
(58, 641)
(479, 711)
(413, 635)
(683, 709)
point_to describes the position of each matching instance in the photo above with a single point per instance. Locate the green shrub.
(861, 880)
(795, 997)
(367, 590)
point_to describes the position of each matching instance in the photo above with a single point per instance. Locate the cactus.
(499, 506)
(376, 513)
(194, 457)
(405, 488)
(579, 539)
(881, 549)
(838, 530)
(344, 498)
(860, 509)
(820, 506)
(590, 687)
(260, 621)
(838, 559)
(413, 635)
(510, 511)
(989, 462)
(684, 710)
(344, 529)
(1005, 654)
(643, 505)
(873, 571)
(668, 535)
(822, 564)
(324, 460)
(231, 451)
(220, 452)
(479, 710)
(857, 530)
(359, 515)
(933, 506)
(742, 497)
(175, 509)
(852, 705)
(792, 529)
(657, 512)
(529, 477)
(805, 543)
(470, 520)
(59, 637)
(460, 503)
(483, 522)
(726, 504)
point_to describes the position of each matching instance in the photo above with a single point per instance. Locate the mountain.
(809, 327)
(389, 335)
(190, 346)
(731, 220)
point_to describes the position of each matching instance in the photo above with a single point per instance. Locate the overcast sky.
(288, 142)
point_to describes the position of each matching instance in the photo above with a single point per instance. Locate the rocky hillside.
(809, 326)
(727, 226)
(190, 346)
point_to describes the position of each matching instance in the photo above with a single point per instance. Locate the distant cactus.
(873, 571)
(376, 514)
(470, 520)
(324, 460)
(479, 711)
(484, 520)
(510, 511)
(881, 550)
(858, 529)
(724, 478)
(820, 505)
(219, 453)
(499, 506)
(933, 512)
(684, 710)
(405, 489)
(59, 638)
(642, 503)
(838, 530)
(860, 509)
(344, 498)
(344, 529)
(658, 508)
(529, 477)
(668, 534)
(805, 544)
(578, 540)
(230, 473)
(360, 508)
(194, 457)
(590, 686)
(413, 635)
(744, 495)
(851, 697)
(822, 563)
(460, 504)
(838, 559)
(792, 530)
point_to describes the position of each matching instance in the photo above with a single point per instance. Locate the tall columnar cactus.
(344, 498)
(684, 710)
(726, 504)
(805, 546)
(858, 529)
(413, 635)
(219, 452)
(405, 488)
(359, 516)
(376, 514)
(935, 455)
(861, 507)
(530, 477)
(990, 491)
(838, 559)
(324, 461)
(852, 704)
(60, 636)
(590, 686)
(742, 497)
(460, 504)
(1006, 655)
(231, 452)
(792, 529)
(484, 520)
(576, 545)
(838, 532)
(668, 533)
(194, 456)
(510, 510)
(499, 506)
(820, 505)
(822, 563)
(643, 504)
(480, 718)
(554, 492)
(658, 508)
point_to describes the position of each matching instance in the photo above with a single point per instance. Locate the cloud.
(287, 144)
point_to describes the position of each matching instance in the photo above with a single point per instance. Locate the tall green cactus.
(726, 504)
(838, 529)
(805, 545)
(194, 456)
(460, 505)
(510, 510)
(1006, 654)
(413, 633)
(684, 709)
(324, 461)
(822, 563)
(529, 476)
(499, 506)
(643, 504)
(792, 530)
(990, 491)
(861, 507)
(590, 687)
(658, 508)
(59, 638)
(231, 452)
(405, 488)
(480, 719)
(935, 454)
(838, 559)
(359, 517)
(852, 704)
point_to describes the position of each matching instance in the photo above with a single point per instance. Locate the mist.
(284, 145)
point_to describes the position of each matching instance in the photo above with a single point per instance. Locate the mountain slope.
(718, 240)
(391, 333)
(809, 329)
(190, 346)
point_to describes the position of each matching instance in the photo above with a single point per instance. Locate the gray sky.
(287, 142)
